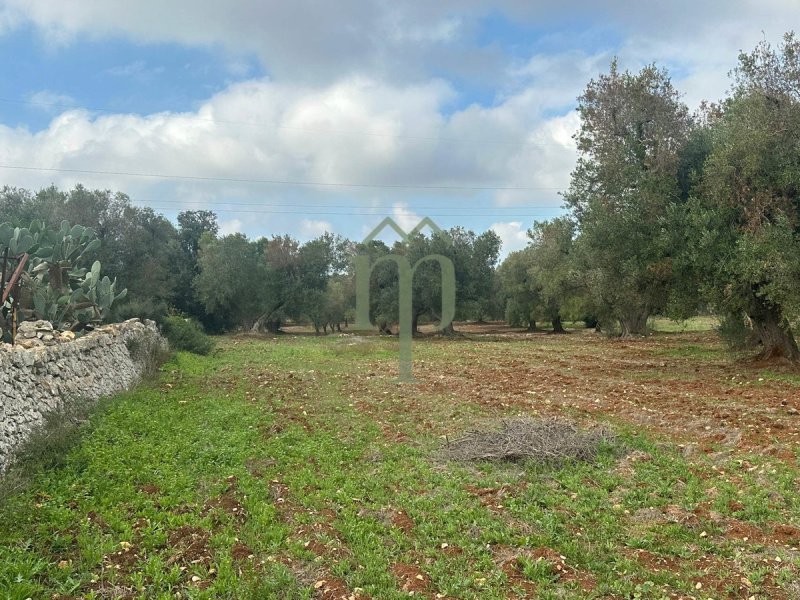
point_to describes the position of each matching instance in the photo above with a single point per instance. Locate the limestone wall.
(47, 367)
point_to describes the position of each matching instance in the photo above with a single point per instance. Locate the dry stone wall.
(47, 368)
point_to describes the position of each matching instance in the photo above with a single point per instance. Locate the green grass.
(767, 375)
(666, 325)
(696, 351)
(318, 449)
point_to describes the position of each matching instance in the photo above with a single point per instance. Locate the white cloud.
(238, 68)
(559, 78)
(327, 38)
(229, 227)
(351, 98)
(444, 30)
(406, 39)
(310, 228)
(405, 218)
(357, 130)
(51, 102)
(513, 235)
(137, 69)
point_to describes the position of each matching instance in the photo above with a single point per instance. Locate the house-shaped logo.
(405, 276)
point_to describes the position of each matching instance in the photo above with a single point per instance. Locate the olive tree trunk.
(774, 332)
(634, 323)
(557, 326)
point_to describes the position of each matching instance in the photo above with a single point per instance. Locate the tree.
(145, 258)
(15, 206)
(519, 290)
(475, 279)
(315, 264)
(321, 286)
(383, 284)
(633, 128)
(281, 255)
(193, 224)
(139, 247)
(551, 268)
(340, 299)
(745, 218)
(474, 258)
(232, 279)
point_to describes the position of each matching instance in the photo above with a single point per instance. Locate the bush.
(148, 352)
(155, 310)
(186, 334)
(737, 333)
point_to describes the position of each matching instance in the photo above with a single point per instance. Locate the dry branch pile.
(524, 438)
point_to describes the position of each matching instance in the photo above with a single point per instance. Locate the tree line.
(676, 213)
(231, 282)
(667, 212)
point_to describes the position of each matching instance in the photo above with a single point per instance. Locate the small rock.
(28, 343)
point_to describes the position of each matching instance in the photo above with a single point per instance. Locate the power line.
(294, 128)
(352, 213)
(279, 182)
(211, 203)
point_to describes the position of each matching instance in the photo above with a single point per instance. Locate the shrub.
(155, 310)
(186, 334)
(148, 352)
(737, 333)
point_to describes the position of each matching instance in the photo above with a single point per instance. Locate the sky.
(309, 116)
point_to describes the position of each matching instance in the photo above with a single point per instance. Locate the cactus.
(55, 286)
(18, 240)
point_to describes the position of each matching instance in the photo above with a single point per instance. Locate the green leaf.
(39, 304)
(44, 252)
(91, 246)
(6, 231)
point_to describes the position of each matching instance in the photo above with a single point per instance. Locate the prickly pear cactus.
(55, 286)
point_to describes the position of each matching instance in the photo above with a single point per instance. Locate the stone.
(28, 342)
(38, 375)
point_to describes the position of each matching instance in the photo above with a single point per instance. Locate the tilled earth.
(646, 383)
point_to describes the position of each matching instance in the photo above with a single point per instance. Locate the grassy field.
(297, 467)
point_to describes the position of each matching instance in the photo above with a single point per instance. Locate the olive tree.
(633, 128)
(744, 220)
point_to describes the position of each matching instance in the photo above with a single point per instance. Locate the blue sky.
(461, 111)
(39, 81)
